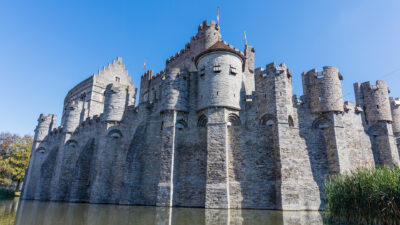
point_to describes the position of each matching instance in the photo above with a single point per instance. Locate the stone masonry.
(210, 131)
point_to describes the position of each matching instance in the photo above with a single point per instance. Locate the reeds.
(365, 196)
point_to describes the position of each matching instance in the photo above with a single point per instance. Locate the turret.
(208, 34)
(72, 116)
(45, 125)
(174, 89)
(114, 102)
(375, 100)
(220, 71)
(323, 90)
(273, 88)
(395, 107)
(377, 107)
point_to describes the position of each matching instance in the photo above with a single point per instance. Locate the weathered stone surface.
(210, 131)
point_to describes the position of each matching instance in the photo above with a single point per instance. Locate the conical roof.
(219, 46)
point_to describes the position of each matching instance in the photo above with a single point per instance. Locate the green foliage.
(14, 157)
(6, 193)
(365, 196)
(19, 158)
(5, 172)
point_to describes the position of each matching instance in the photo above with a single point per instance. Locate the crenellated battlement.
(207, 35)
(272, 70)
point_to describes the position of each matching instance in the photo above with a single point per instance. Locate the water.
(56, 213)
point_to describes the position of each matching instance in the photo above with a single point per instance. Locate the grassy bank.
(366, 196)
(6, 193)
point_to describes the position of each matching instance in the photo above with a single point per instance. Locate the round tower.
(220, 70)
(72, 116)
(114, 102)
(45, 125)
(325, 90)
(395, 107)
(174, 89)
(376, 101)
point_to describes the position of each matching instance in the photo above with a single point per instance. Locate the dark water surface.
(56, 213)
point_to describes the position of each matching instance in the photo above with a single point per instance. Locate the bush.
(365, 196)
(6, 193)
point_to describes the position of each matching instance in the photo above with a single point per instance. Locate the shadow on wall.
(84, 172)
(251, 166)
(47, 171)
(142, 167)
(313, 134)
(190, 165)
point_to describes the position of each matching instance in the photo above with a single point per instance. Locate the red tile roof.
(220, 46)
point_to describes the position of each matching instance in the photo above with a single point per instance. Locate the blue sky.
(47, 47)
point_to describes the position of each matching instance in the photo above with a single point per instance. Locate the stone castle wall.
(210, 132)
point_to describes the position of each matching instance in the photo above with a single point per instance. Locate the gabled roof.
(220, 46)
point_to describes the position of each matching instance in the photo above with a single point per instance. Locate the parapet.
(375, 99)
(207, 35)
(272, 71)
(323, 89)
(45, 125)
(149, 81)
(395, 108)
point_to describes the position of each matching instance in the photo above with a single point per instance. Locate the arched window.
(180, 124)
(267, 120)
(202, 121)
(290, 121)
(71, 143)
(115, 134)
(41, 150)
(234, 120)
(321, 123)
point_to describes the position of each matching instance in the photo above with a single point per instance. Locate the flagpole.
(245, 38)
(218, 17)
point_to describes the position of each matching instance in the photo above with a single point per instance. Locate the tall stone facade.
(210, 131)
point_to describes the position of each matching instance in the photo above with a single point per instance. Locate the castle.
(210, 131)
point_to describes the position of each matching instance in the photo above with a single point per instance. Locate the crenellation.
(211, 131)
(395, 109)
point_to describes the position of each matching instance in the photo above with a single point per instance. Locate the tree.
(5, 172)
(14, 157)
(6, 141)
(18, 159)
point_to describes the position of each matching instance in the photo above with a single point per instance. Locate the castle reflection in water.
(50, 213)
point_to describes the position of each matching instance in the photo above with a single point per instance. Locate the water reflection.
(8, 209)
(50, 213)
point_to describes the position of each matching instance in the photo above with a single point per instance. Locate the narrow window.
(233, 70)
(290, 121)
(117, 79)
(217, 68)
(202, 72)
(377, 106)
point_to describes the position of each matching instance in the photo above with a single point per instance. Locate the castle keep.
(210, 131)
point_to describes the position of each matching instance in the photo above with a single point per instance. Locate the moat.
(21, 212)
